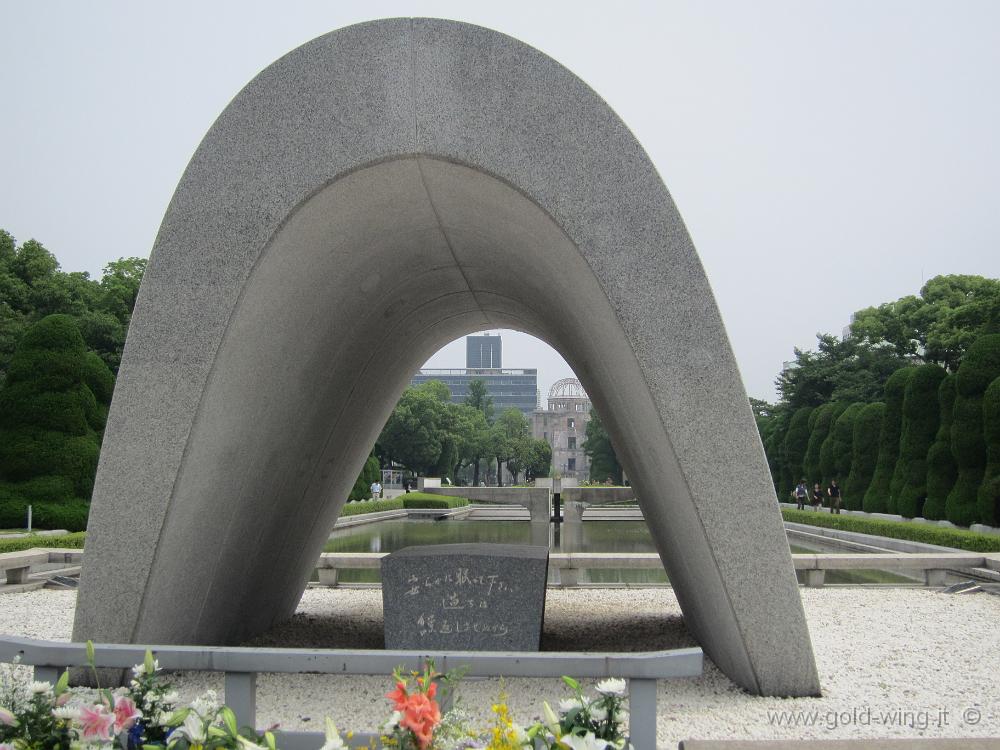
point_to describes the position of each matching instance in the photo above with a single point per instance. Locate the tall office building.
(483, 352)
(509, 388)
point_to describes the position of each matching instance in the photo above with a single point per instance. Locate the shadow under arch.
(341, 221)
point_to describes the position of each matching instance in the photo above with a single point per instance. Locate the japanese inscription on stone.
(469, 597)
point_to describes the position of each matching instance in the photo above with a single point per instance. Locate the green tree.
(989, 489)
(370, 472)
(835, 455)
(471, 433)
(597, 445)
(921, 419)
(821, 422)
(878, 498)
(417, 427)
(864, 454)
(796, 443)
(480, 399)
(941, 469)
(50, 419)
(506, 436)
(939, 325)
(540, 459)
(980, 366)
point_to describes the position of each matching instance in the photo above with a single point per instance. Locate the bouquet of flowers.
(583, 723)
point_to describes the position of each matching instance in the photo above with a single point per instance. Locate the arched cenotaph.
(372, 195)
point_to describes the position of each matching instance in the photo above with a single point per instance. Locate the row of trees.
(901, 411)
(431, 436)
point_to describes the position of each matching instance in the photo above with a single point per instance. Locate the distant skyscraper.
(482, 352)
(508, 388)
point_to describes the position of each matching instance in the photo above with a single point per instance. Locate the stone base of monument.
(465, 597)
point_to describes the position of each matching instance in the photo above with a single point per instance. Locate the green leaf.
(177, 717)
(229, 719)
(269, 738)
(216, 732)
(148, 662)
(571, 682)
(90, 653)
(62, 683)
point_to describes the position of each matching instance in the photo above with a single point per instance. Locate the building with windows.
(517, 388)
(563, 425)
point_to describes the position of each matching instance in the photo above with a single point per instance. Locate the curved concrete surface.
(372, 195)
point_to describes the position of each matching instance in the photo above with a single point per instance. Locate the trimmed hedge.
(980, 366)
(70, 514)
(371, 506)
(428, 500)
(835, 453)
(796, 442)
(921, 420)
(878, 497)
(941, 468)
(914, 532)
(864, 453)
(50, 419)
(989, 490)
(63, 541)
(370, 472)
(820, 423)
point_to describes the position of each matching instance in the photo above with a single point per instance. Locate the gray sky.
(826, 156)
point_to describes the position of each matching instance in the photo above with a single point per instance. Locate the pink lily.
(125, 713)
(96, 723)
(7, 718)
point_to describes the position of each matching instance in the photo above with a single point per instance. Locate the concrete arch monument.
(370, 196)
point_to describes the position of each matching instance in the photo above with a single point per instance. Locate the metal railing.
(242, 665)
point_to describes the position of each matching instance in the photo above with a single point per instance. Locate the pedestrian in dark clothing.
(817, 496)
(834, 492)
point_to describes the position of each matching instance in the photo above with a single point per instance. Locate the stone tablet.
(465, 597)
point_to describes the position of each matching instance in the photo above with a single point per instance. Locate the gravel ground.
(893, 662)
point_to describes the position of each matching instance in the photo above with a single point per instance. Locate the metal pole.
(29, 518)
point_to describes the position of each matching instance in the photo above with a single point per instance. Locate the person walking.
(834, 492)
(376, 490)
(801, 492)
(817, 497)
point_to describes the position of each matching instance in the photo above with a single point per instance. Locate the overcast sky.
(826, 156)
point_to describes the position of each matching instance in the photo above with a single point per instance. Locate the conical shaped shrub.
(921, 419)
(980, 366)
(49, 416)
(864, 454)
(796, 442)
(989, 490)
(941, 468)
(878, 497)
(836, 454)
(820, 423)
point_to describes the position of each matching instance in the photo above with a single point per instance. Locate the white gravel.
(893, 662)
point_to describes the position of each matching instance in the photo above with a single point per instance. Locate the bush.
(428, 500)
(835, 453)
(796, 442)
(49, 416)
(63, 541)
(980, 366)
(878, 497)
(914, 532)
(864, 453)
(374, 506)
(70, 515)
(821, 421)
(921, 419)
(989, 490)
(941, 468)
(370, 472)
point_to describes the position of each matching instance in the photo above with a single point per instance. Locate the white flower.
(569, 704)
(612, 686)
(598, 714)
(585, 742)
(170, 697)
(193, 729)
(41, 688)
(66, 713)
(206, 704)
(394, 719)
(246, 744)
(333, 740)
